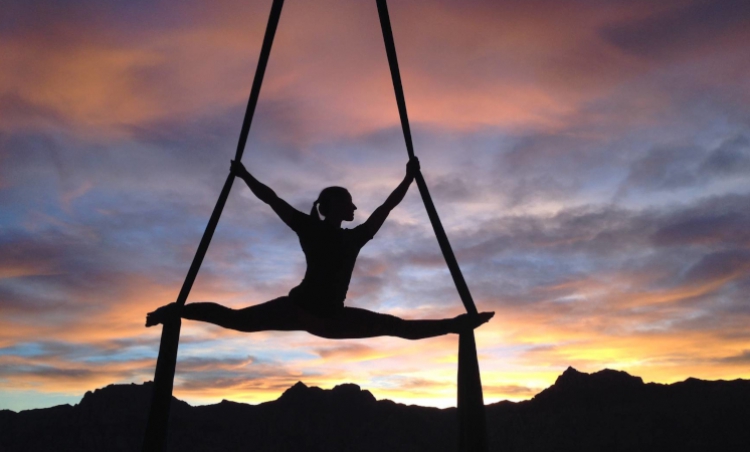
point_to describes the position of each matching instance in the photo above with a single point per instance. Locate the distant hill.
(603, 411)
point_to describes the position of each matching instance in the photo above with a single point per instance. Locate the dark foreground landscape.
(604, 411)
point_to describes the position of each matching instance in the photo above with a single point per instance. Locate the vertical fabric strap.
(155, 439)
(472, 420)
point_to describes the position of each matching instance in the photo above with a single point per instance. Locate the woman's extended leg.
(355, 323)
(282, 314)
(279, 315)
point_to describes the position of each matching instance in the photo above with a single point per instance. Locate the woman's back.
(331, 253)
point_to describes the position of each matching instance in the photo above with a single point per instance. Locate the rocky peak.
(349, 392)
(604, 386)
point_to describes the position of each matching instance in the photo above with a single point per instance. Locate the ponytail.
(314, 212)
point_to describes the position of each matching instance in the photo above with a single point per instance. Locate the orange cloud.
(488, 66)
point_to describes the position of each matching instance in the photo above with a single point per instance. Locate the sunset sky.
(590, 161)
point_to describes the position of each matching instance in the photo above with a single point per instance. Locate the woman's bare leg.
(279, 315)
(355, 323)
(282, 314)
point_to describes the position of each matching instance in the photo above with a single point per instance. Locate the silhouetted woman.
(316, 305)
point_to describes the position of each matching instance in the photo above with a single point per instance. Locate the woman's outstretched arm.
(378, 217)
(266, 194)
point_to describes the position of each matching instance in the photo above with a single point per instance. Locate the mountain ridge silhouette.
(605, 410)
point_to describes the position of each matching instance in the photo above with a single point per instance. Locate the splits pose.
(316, 305)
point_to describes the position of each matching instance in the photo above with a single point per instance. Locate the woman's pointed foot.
(469, 322)
(162, 315)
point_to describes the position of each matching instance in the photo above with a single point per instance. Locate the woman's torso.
(330, 253)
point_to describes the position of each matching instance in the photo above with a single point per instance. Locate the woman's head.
(334, 203)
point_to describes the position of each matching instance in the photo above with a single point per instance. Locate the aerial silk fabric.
(471, 415)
